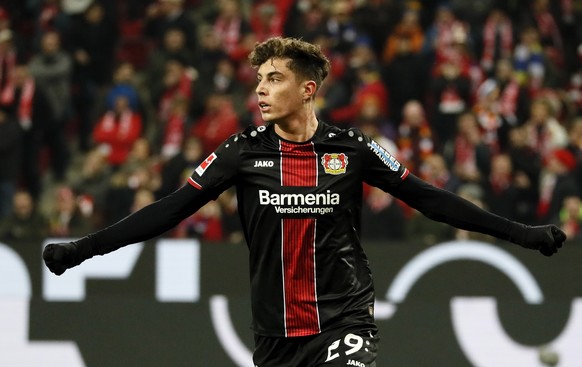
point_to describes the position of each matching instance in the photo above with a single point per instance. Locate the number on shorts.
(353, 341)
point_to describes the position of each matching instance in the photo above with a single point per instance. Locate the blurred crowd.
(108, 105)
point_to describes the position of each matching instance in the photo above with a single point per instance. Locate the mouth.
(264, 107)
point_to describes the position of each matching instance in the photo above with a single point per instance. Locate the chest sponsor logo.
(205, 164)
(264, 164)
(384, 156)
(334, 163)
(321, 203)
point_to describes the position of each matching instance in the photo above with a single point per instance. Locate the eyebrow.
(271, 73)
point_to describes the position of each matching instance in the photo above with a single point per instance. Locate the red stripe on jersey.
(299, 168)
(301, 314)
(298, 165)
(194, 183)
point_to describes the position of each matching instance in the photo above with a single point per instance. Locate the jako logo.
(264, 164)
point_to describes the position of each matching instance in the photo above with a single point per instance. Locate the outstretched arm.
(149, 222)
(444, 206)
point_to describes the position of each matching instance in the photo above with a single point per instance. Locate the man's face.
(280, 93)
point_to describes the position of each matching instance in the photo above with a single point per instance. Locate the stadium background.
(482, 98)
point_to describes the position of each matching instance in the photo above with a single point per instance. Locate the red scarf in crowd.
(490, 31)
(229, 32)
(26, 101)
(7, 65)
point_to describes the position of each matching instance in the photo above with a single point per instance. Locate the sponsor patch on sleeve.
(384, 156)
(205, 164)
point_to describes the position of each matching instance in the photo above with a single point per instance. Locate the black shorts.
(334, 348)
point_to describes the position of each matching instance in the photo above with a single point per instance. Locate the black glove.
(59, 257)
(547, 239)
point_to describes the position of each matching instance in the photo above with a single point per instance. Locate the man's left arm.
(444, 206)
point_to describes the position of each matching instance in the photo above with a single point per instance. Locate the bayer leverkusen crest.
(334, 163)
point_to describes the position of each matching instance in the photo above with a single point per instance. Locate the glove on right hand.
(59, 257)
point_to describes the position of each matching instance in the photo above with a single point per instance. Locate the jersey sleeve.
(218, 171)
(215, 174)
(379, 167)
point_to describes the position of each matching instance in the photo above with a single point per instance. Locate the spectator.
(218, 122)
(142, 198)
(420, 229)
(469, 155)
(545, 133)
(93, 44)
(406, 74)
(7, 66)
(549, 32)
(205, 224)
(382, 216)
(570, 218)
(486, 110)
(52, 69)
(341, 27)
(175, 128)
(377, 19)
(500, 192)
(557, 182)
(527, 165)
(231, 227)
(124, 85)
(186, 160)
(307, 20)
(497, 39)
(415, 141)
(450, 95)
(178, 83)
(117, 130)
(575, 146)
(224, 80)
(408, 29)
(140, 171)
(434, 170)
(65, 217)
(474, 193)
(529, 61)
(92, 183)
(25, 223)
(513, 100)
(162, 15)
(173, 47)
(209, 53)
(10, 155)
(34, 115)
(369, 86)
(265, 20)
(231, 26)
(49, 17)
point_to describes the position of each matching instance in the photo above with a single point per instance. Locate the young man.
(299, 186)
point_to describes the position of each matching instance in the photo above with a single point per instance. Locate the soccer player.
(299, 186)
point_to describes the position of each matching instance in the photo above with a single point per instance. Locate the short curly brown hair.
(306, 59)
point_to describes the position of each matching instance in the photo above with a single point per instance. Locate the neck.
(297, 130)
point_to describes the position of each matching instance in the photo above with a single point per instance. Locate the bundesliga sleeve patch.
(205, 164)
(384, 156)
(334, 163)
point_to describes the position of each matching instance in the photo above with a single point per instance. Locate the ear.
(309, 89)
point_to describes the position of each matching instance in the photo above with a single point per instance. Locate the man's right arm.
(149, 222)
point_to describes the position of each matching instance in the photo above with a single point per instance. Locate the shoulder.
(330, 133)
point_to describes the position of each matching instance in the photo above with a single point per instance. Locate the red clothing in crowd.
(117, 133)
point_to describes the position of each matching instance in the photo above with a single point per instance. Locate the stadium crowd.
(106, 106)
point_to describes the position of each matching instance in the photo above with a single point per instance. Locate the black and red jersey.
(300, 206)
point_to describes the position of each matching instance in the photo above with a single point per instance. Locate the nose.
(260, 89)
